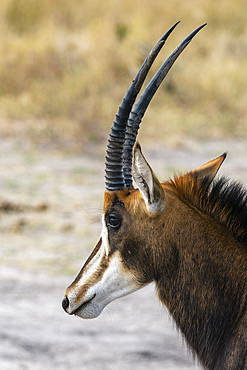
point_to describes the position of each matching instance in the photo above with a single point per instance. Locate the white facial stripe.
(90, 270)
(116, 281)
(87, 274)
(104, 236)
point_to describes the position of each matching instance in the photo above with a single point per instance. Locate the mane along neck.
(224, 201)
(206, 290)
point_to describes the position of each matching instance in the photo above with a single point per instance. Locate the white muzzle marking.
(103, 280)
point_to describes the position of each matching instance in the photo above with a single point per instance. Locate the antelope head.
(125, 257)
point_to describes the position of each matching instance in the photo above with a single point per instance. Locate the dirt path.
(49, 222)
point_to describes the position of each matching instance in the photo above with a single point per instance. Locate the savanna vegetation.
(65, 66)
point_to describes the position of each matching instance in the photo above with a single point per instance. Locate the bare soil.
(50, 210)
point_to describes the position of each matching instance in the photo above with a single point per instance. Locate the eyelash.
(113, 222)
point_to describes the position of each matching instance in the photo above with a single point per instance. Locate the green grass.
(65, 66)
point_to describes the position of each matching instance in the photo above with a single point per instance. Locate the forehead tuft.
(110, 197)
(131, 199)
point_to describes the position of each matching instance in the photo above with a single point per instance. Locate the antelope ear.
(210, 168)
(147, 182)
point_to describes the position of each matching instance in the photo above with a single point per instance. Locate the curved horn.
(140, 107)
(114, 178)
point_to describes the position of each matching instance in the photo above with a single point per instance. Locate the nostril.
(65, 303)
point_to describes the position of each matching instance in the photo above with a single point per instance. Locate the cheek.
(131, 254)
(137, 257)
(117, 281)
(121, 276)
(127, 262)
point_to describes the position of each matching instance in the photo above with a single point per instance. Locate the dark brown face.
(115, 267)
(128, 235)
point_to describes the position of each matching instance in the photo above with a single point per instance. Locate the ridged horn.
(114, 177)
(140, 107)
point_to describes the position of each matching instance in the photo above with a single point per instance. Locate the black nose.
(65, 303)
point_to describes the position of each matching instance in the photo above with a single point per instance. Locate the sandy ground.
(50, 206)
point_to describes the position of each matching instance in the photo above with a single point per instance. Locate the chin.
(89, 311)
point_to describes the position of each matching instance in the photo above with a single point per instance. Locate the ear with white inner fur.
(147, 182)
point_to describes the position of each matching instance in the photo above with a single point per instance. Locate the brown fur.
(224, 202)
(208, 295)
(195, 253)
(195, 250)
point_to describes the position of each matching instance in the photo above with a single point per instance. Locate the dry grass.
(65, 66)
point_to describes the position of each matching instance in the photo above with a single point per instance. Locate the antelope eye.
(114, 222)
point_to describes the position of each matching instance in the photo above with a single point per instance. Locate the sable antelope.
(188, 235)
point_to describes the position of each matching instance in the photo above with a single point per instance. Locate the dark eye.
(114, 222)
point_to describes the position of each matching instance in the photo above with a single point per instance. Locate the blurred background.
(64, 69)
(65, 66)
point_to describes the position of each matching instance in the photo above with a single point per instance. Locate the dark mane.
(224, 200)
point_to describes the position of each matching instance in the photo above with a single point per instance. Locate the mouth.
(84, 305)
